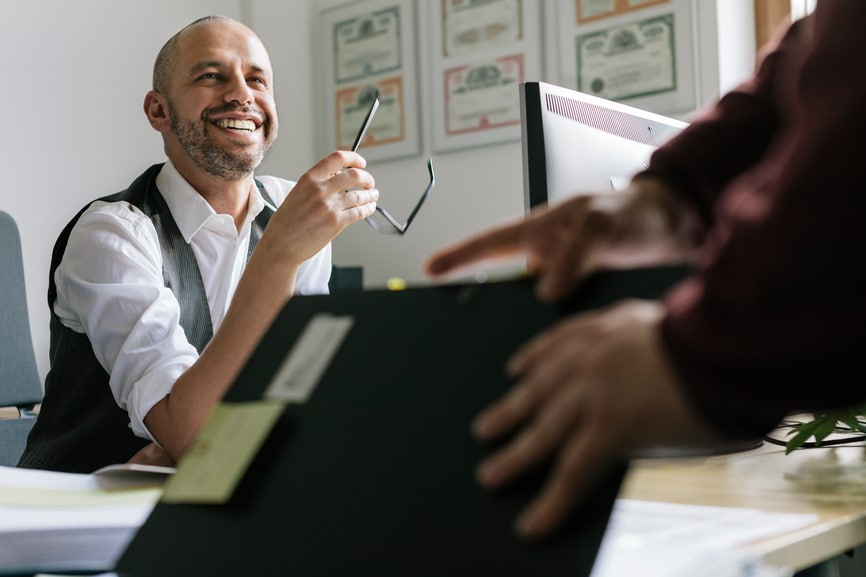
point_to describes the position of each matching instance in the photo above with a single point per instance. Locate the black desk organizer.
(374, 474)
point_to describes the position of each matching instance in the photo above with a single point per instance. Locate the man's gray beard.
(208, 156)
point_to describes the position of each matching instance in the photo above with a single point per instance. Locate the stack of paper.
(57, 522)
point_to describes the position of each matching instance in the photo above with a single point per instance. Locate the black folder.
(373, 474)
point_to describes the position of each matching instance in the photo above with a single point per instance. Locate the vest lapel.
(262, 220)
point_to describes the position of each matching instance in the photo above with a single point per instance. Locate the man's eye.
(209, 76)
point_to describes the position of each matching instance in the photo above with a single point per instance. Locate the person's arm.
(776, 319)
(324, 201)
(730, 137)
(110, 287)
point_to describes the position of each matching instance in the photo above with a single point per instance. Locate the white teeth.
(237, 124)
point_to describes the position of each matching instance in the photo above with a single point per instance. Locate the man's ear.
(156, 112)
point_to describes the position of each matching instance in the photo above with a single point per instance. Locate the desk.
(767, 479)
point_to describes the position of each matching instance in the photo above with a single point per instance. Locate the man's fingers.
(536, 441)
(531, 446)
(337, 161)
(499, 243)
(576, 332)
(506, 413)
(573, 475)
(358, 197)
(351, 178)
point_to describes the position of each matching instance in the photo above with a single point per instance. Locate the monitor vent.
(623, 125)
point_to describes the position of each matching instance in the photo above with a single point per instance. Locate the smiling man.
(159, 293)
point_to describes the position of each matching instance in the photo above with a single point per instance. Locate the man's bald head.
(167, 58)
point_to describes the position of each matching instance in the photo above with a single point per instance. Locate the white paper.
(654, 539)
(83, 527)
(301, 370)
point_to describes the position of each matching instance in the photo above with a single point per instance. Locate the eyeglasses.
(383, 222)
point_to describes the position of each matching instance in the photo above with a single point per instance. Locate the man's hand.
(589, 390)
(333, 194)
(151, 454)
(646, 224)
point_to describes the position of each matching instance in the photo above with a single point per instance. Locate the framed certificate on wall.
(480, 52)
(639, 52)
(368, 46)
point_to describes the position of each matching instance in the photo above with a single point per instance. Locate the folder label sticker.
(311, 354)
(221, 453)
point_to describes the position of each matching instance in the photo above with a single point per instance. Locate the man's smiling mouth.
(247, 125)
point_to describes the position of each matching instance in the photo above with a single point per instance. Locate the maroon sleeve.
(775, 319)
(729, 138)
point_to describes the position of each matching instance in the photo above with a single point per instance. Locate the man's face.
(221, 99)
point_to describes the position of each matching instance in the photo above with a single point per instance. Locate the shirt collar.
(189, 209)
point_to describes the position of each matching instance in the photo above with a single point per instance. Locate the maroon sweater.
(774, 321)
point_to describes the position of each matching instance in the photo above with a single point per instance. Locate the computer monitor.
(576, 143)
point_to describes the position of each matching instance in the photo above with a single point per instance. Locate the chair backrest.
(346, 278)
(19, 378)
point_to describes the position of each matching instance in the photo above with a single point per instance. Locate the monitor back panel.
(575, 143)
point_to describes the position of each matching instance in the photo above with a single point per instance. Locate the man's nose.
(239, 91)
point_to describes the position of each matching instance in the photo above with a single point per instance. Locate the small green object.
(395, 284)
(825, 424)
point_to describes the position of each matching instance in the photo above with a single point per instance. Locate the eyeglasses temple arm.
(423, 196)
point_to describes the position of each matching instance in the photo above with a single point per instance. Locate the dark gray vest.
(80, 428)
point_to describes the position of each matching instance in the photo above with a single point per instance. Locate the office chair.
(346, 278)
(20, 385)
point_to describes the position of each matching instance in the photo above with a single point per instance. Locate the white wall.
(736, 52)
(475, 188)
(74, 80)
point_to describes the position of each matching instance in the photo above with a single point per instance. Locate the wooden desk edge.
(813, 544)
(716, 481)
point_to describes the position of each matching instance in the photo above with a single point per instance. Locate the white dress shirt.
(110, 286)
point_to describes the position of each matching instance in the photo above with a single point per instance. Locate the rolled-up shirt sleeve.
(110, 287)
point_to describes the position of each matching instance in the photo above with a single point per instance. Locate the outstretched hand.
(646, 224)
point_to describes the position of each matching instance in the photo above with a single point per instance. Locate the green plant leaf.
(801, 433)
(825, 424)
(853, 422)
